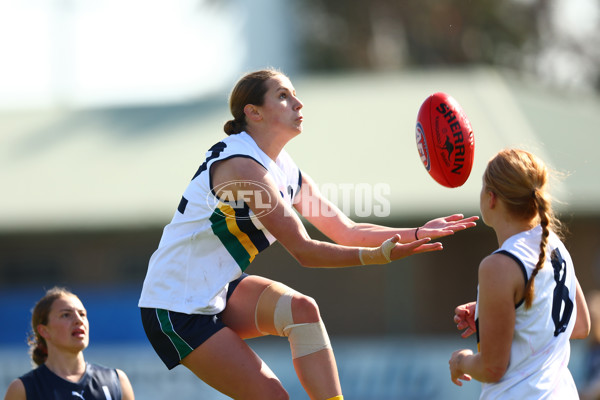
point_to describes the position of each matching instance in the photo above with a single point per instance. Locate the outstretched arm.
(332, 222)
(260, 193)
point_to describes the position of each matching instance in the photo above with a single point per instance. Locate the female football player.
(60, 333)
(529, 302)
(197, 303)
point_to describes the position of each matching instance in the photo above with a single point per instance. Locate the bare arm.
(332, 222)
(500, 284)
(126, 388)
(283, 222)
(15, 391)
(582, 323)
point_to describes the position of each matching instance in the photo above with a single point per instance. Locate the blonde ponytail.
(519, 178)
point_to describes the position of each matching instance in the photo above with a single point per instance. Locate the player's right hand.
(464, 317)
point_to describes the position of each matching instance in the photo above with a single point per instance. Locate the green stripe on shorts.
(183, 349)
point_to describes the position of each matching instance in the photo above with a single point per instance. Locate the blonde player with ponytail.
(529, 302)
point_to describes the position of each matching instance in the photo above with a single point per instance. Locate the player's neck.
(271, 145)
(507, 228)
(68, 366)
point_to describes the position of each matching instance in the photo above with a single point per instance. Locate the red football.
(445, 140)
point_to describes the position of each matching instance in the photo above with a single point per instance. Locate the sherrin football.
(445, 140)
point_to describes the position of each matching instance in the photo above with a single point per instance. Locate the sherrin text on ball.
(445, 140)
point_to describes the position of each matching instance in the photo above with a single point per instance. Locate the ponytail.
(519, 178)
(37, 349)
(542, 207)
(233, 127)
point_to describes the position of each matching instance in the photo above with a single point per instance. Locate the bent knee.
(305, 309)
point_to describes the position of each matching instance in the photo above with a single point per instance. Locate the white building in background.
(89, 53)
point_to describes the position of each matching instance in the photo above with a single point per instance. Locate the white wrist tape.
(377, 255)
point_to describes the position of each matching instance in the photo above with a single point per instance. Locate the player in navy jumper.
(60, 333)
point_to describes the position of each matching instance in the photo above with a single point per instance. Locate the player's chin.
(296, 130)
(79, 345)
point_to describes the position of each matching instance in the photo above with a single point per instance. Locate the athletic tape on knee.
(274, 309)
(282, 316)
(307, 338)
(273, 316)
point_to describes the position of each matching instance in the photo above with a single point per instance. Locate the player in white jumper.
(529, 302)
(197, 303)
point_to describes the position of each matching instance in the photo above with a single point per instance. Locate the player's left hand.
(464, 317)
(445, 226)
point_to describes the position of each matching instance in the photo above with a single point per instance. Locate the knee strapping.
(274, 309)
(273, 315)
(307, 338)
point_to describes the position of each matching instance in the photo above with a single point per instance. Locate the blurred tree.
(388, 34)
